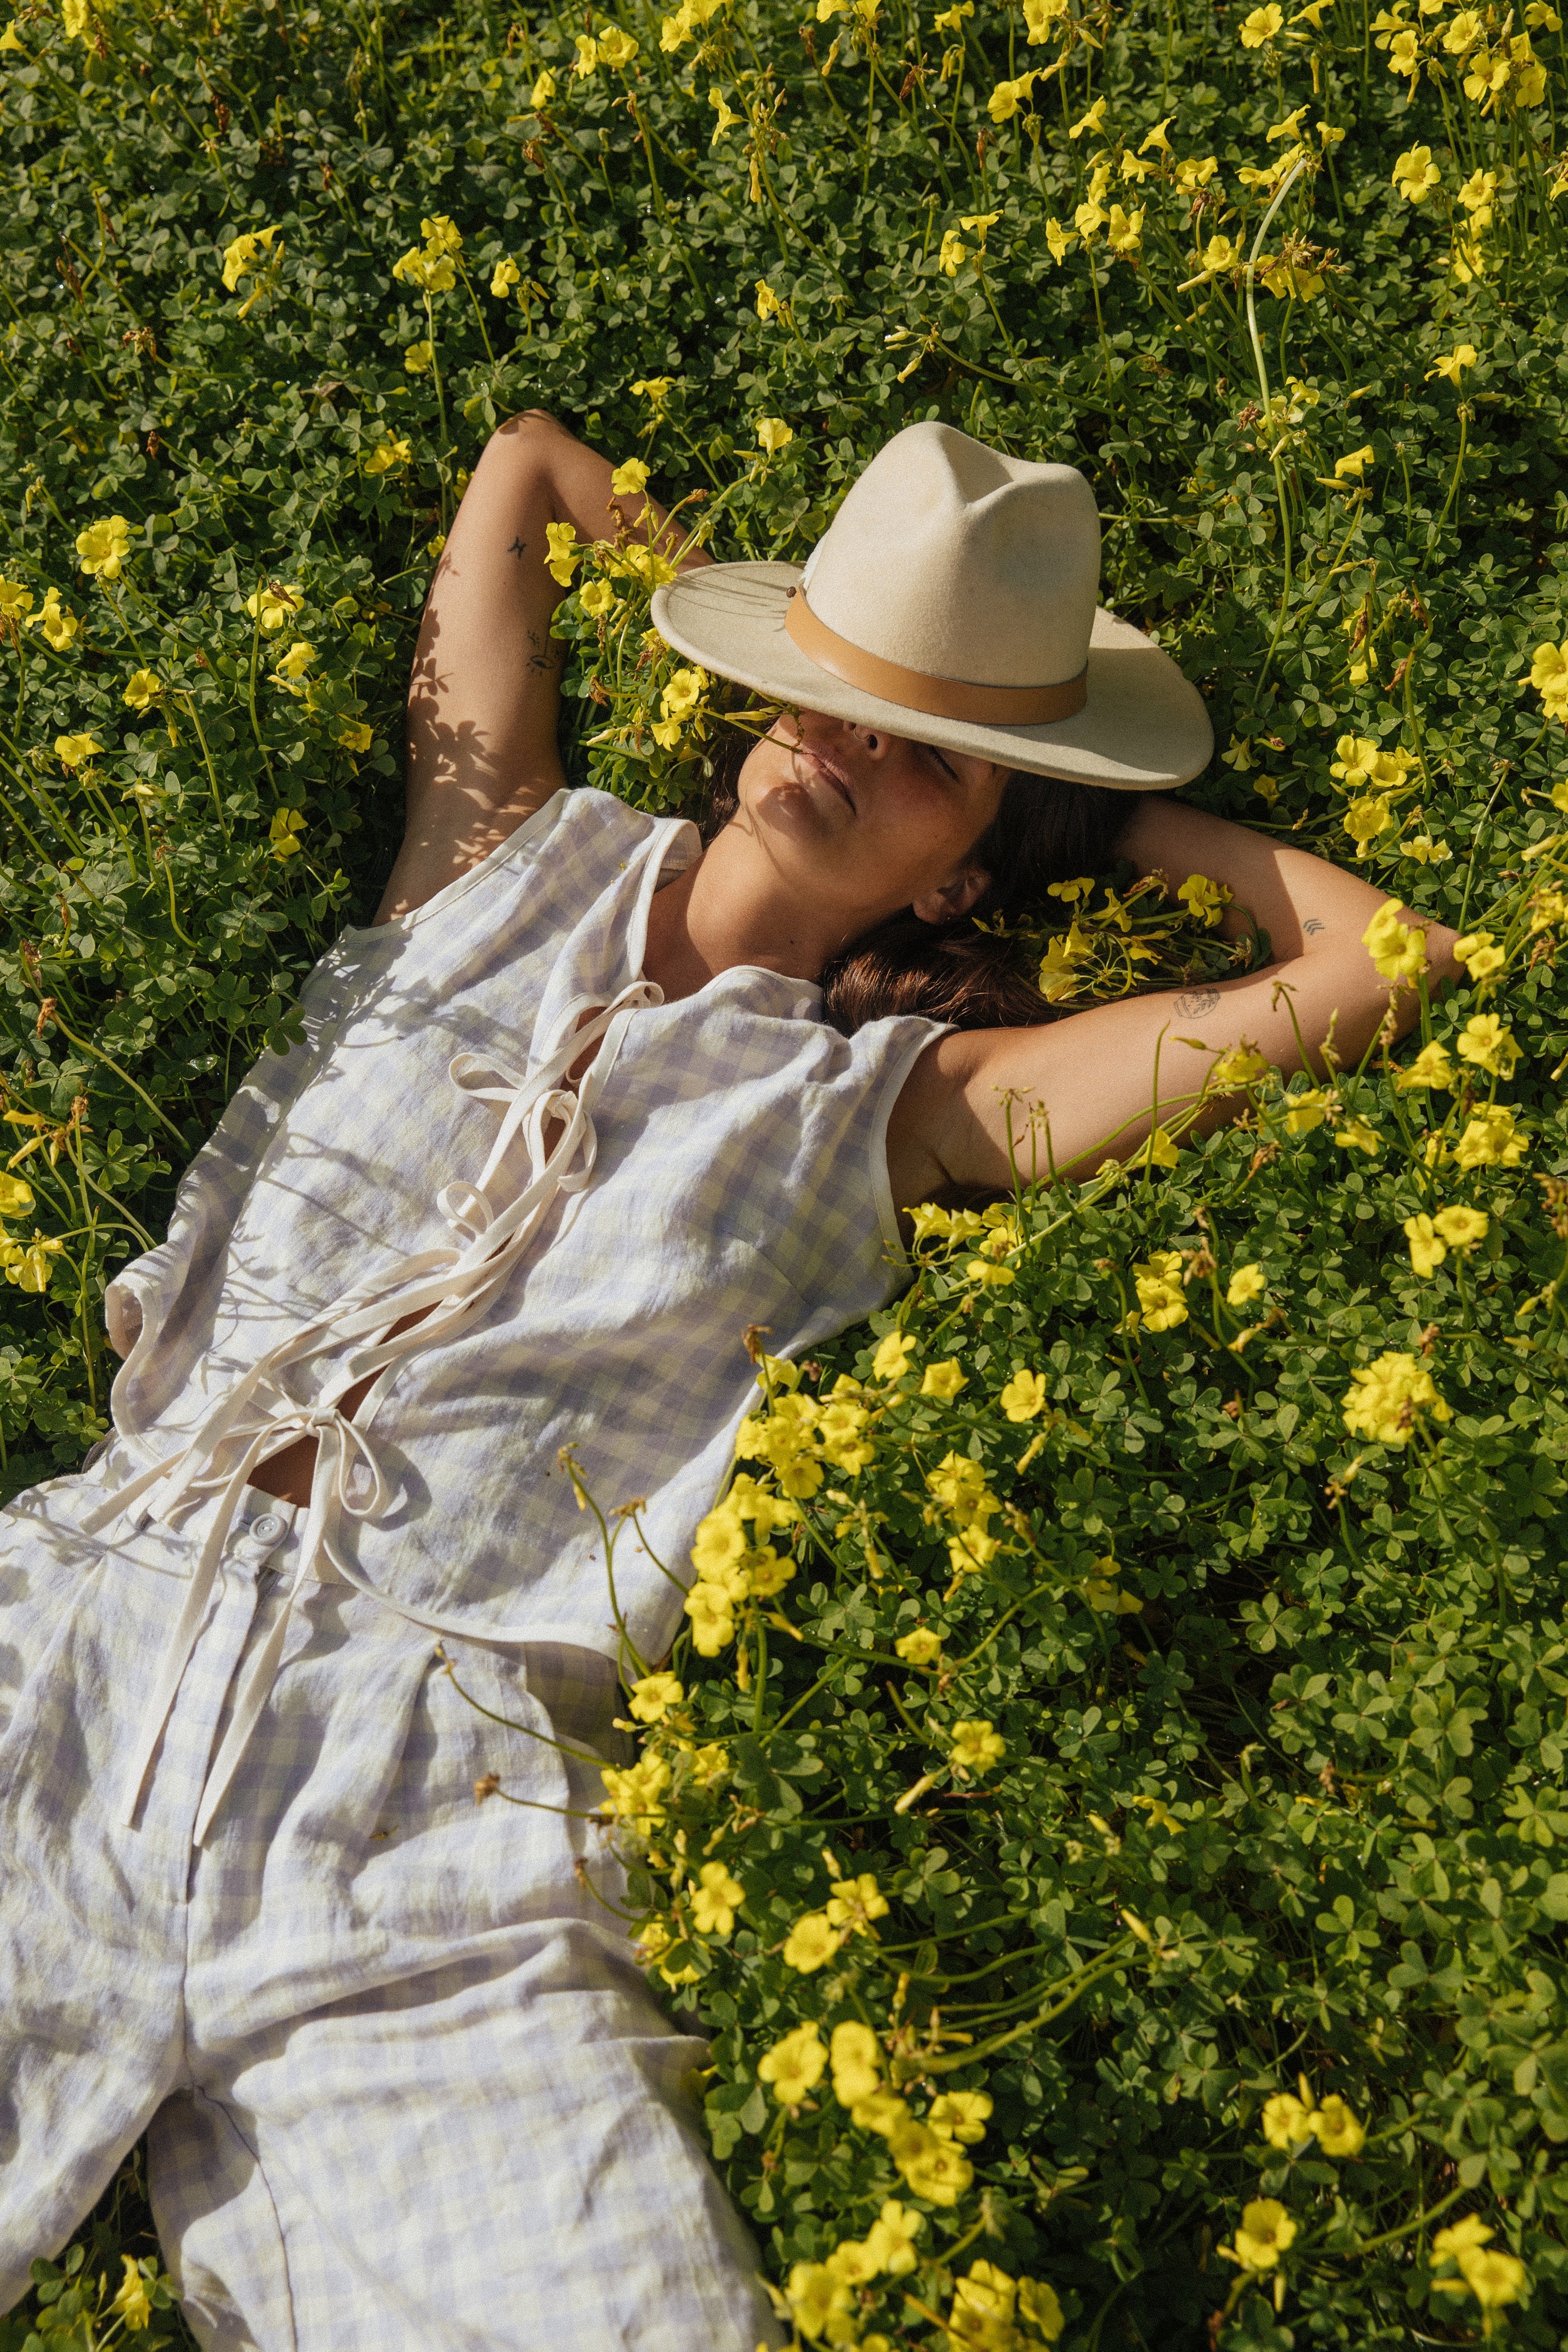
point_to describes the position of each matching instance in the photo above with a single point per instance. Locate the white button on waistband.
(266, 1528)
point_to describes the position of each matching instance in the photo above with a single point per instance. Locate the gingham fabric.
(406, 2089)
(732, 1171)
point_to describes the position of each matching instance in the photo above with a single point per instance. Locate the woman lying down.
(586, 1100)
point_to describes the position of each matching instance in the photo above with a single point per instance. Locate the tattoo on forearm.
(1193, 1003)
(517, 548)
(1313, 923)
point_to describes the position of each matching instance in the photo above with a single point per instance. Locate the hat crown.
(960, 562)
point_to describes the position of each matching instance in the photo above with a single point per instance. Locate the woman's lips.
(834, 776)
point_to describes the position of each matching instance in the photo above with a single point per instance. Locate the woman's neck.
(731, 908)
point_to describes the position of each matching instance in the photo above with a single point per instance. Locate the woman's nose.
(870, 740)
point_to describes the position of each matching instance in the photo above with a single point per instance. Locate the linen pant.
(406, 2088)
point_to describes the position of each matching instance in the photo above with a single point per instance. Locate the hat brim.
(1143, 728)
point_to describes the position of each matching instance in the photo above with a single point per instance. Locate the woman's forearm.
(1306, 905)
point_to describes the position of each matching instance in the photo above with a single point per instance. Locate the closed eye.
(932, 751)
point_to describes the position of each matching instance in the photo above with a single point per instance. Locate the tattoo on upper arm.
(1314, 923)
(1193, 1003)
(519, 547)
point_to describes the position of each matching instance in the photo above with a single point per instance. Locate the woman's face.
(867, 823)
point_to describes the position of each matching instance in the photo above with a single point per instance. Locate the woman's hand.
(1100, 1079)
(484, 695)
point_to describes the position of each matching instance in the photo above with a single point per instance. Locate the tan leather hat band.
(937, 697)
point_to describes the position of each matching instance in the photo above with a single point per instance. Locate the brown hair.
(1047, 830)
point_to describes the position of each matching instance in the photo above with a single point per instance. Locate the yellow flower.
(630, 480)
(893, 1357)
(416, 358)
(1484, 1041)
(564, 554)
(811, 1943)
(1267, 2230)
(713, 1905)
(1247, 1283)
(587, 58)
(1479, 954)
(857, 2063)
(773, 434)
(1039, 16)
(15, 601)
(916, 1649)
(239, 258)
(1125, 233)
(794, 2065)
(1357, 1136)
(975, 1748)
(132, 2302)
(30, 1268)
(1204, 901)
(101, 548)
(1426, 1249)
(293, 665)
(1452, 365)
(1094, 121)
(713, 1620)
(891, 2240)
(1490, 1140)
(637, 1795)
(1158, 1283)
(506, 276)
(1493, 2278)
(854, 1903)
(389, 457)
(1425, 851)
(1337, 2131)
(652, 1698)
(1462, 1228)
(1261, 25)
(1431, 1068)
(1023, 1396)
(1367, 817)
(597, 598)
(933, 2166)
(1156, 139)
(961, 2115)
(654, 388)
(58, 623)
(8, 39)
(1195, 172)
(617, 48)
(1384, 1397)
(16, 1197)
(1059, 239)
(768, 303)
(1350, 468)
(1238, 1066)
(953, 254)
(1549, 676)
(1459, 2236)
(1399, 951)
(273, 604)
(440, 236)
(543, 91)
(944, 1379)
(430, 270)
(1286, 2121)
(820, 2304)
(283, 833)
(70, 751)
(142, 689)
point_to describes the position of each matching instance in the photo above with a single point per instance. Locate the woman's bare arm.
(484, 695)
(1093, 1074)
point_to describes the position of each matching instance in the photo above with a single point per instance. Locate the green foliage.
(1321, 1764)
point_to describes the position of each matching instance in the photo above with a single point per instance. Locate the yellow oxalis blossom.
(988, 2305)
(961, 2115)
(541, 93)
(1452, 364)
(1489, 1045)
(1261, 25)
(597, 598)
(29, 1267)
(9, 40)
(1162, 1301)
(944, 1380)
(1462, 1228)
(716, 1900)
(1548, 677)
(1427, 1250)
(637, 1794)
(854, 1903)
(1266, 2231)
(1125, 232)
(773, 434)
(1415, 174)
(70, 751)
(1023, 1396)
(617, 48)
(1308, 1109)
(1351, 466)
(416, 358)
(283, 833)
(1479, 954)
(630, 480)
(933, 2166)
(1247, 1283)
(917, 1649)
(794, 2066)
(389, 455)
(811, 1942)
(143, 688)
(1238, 1066)
(769, 305)
(1398, 950)
(14, 600)
(562, 554)
(354, 735)
(273, 604)
(1094, 121)
(239, 258)
(101, 548)
(293, 665)
(1287, 2120)
(1337, 2131)
(857, 2060)
(587, 58)
(1195, 172)
(58, 622)
(15, 1196)
(1431, 1068)
(1490, 1140)
(975, 1748)
(893, 1357)
(653, 1695)
(505, 275)
(1384, 1398)
(1039, 16)
(132, 2302)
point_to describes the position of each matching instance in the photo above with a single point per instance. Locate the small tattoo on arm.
(1193, 1003)
(1313, 923)
(519, 547)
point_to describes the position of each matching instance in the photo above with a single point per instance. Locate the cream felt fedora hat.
(953, 600)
